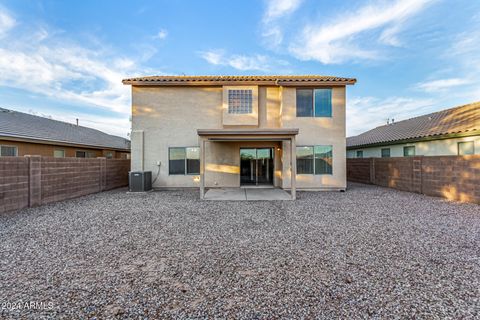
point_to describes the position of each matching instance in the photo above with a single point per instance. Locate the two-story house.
(239, 131)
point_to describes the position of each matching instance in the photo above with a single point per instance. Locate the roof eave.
(283, 83)
(417, 139)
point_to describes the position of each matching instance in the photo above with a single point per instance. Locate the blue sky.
(66, 59)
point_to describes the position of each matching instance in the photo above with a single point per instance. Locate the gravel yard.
(370, 252)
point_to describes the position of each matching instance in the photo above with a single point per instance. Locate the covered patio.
(220, 160)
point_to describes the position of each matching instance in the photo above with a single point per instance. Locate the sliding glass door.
(256, 166)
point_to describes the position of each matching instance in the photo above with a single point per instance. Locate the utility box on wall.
(140, 181)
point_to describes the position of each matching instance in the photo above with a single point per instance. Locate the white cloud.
(441, 84)
(240, 62)
(279, 8)
(7, 22)
(334, 41)
(275, 11)
(49, 65)
(365, 113)
(162, 34)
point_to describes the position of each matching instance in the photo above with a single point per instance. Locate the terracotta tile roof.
(220, 80)
(463, 119)
(16, 124)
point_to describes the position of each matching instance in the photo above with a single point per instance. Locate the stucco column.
(293, 168)
(202, 168)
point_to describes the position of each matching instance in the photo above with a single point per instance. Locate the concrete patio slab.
(267, 194)
(244, 194)
(226, 194)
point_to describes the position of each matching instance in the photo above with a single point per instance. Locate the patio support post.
(202, 168)
(293, 168)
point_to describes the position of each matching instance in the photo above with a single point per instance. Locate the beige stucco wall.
(166, 117)
(444, 147)
(318, 131)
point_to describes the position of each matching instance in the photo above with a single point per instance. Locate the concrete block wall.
(33, 180)
(451, 177)
(14, 191)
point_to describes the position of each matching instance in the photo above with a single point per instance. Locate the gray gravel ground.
(368, 253)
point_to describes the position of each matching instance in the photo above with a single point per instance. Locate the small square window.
(386, 153)
(466, 148)
(240, 101)
(360, 154)
(409, 151)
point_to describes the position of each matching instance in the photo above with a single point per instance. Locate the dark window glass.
(80, 154)
(465, 148)
(386, 153)
(323, 102)
(360, 154)
(8, 151)
(193, 160)
(304, 103)
(176, 161)
(305, 160)
(409, 151)
(323, 159)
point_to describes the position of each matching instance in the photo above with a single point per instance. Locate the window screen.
(80, 154)
(314, 102)
(240, 101)
(323, 159)
(323, 102)
(8, 151)
(184, 160)
(386, 153)
(465, 148)
(304, 103)
(176, 161)
(305, 160)
(58, 153)
(193, 160)
(409, 151)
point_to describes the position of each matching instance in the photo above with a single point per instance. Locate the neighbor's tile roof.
(27, 126)
(269, 79)
(461, 119)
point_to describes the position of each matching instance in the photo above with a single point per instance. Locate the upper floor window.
(409, 151)
(240, 101)
(466, 147)
(314, 102)
(8, 151)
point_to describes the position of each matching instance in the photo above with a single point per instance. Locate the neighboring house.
(454, 131)
(25, 134)
(232, 131)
